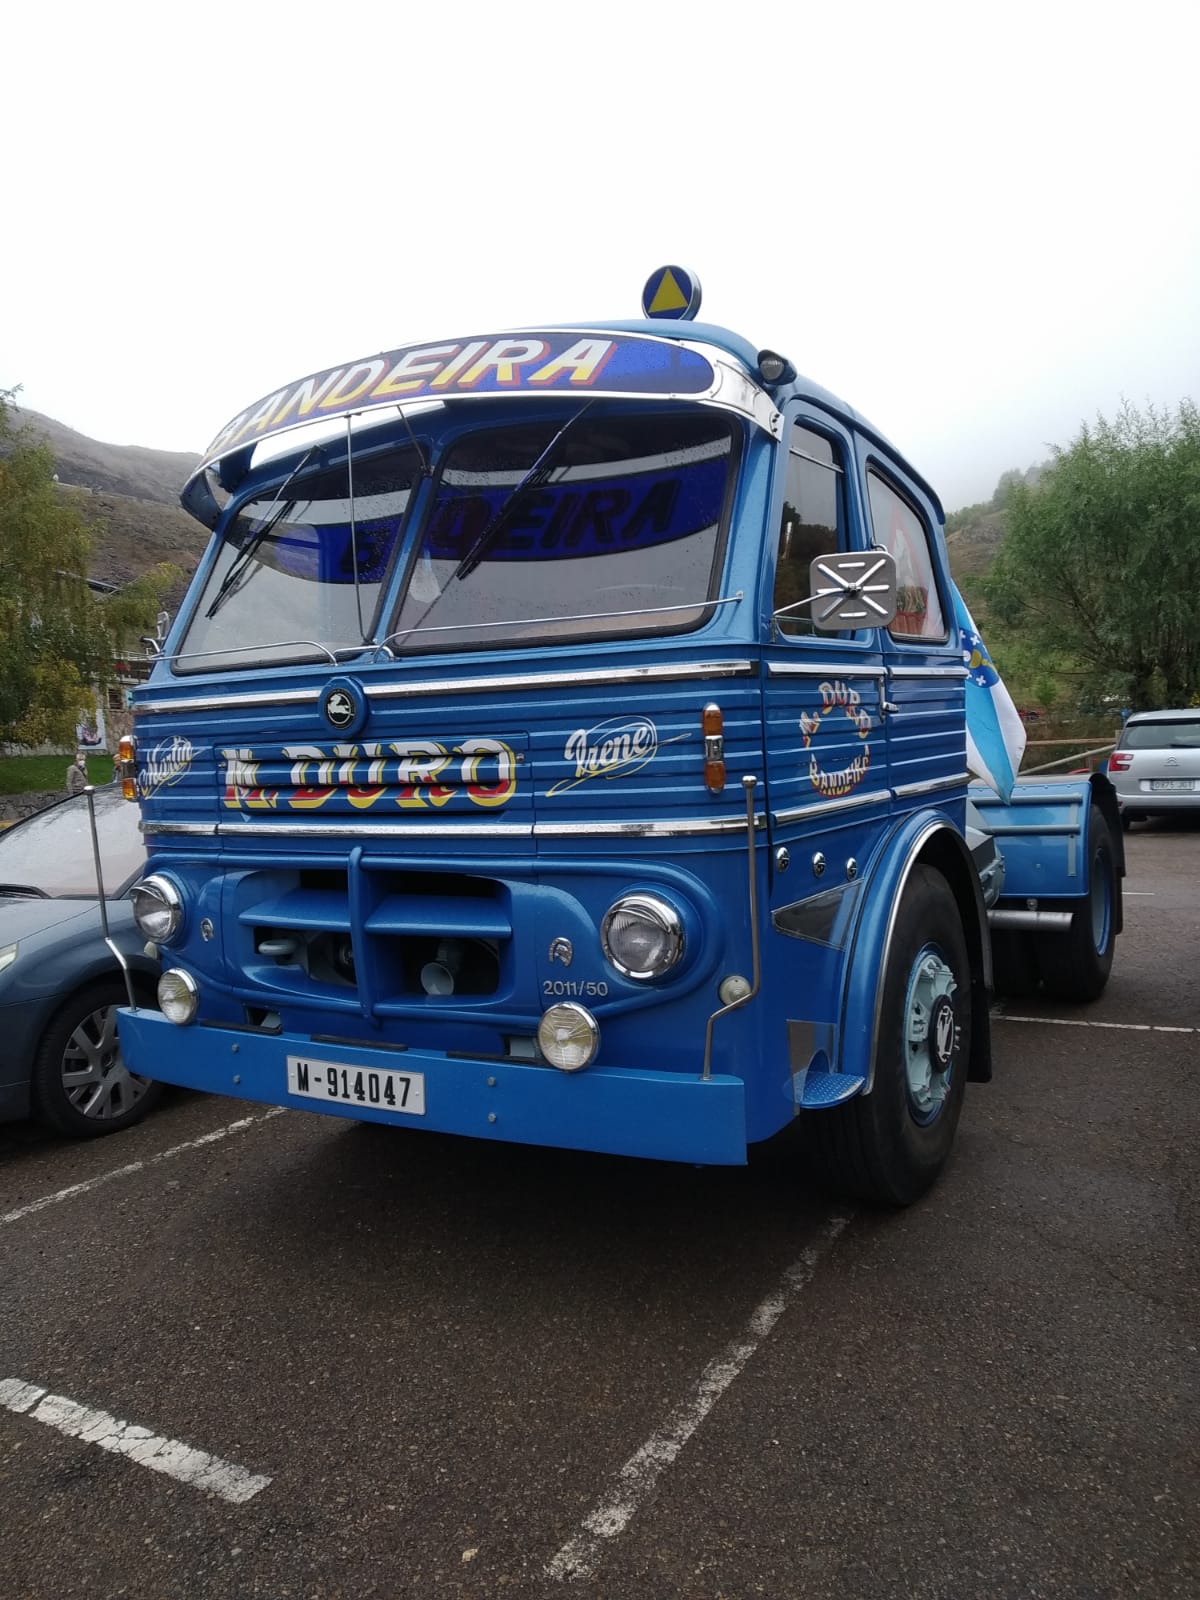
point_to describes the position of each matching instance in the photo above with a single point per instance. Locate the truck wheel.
(81, 1086)
(889, 1146)
(1076, 965)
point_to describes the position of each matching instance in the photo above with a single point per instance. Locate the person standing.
(77, 773)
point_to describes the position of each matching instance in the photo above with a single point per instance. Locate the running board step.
(818, 1089)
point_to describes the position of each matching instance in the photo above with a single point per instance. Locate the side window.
(900, 528)
(813, 523)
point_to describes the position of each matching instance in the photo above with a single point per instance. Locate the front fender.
(929, 838)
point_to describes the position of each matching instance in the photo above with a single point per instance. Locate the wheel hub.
(931, 1034)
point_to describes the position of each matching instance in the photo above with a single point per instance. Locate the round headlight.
(158, 909)
(178, 996)
(569, 1036)
(642, 936)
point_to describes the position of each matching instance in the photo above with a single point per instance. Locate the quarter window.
(900, 528)
(813, 524)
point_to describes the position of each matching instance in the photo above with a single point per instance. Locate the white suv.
(1155, 768)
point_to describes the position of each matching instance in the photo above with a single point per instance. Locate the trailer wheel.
(1076, 965)
(890, 1146)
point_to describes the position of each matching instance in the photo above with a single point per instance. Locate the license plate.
(357, 1086)
(1170, 786)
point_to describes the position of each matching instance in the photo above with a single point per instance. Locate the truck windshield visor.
(619, 530)
(283, 587)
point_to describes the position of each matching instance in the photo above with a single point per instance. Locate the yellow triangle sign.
(670, 296)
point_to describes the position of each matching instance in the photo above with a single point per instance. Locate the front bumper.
(665, 1116)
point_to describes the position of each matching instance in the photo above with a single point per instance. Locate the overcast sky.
(978, 224)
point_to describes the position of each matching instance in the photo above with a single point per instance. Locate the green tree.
(57, 638)
(1100, 564)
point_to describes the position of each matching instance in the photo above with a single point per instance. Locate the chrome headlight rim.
(168, 897)
(663, 915)
(187, 1004)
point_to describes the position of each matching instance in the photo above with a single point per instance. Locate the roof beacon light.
(712, 723)
(774, 368)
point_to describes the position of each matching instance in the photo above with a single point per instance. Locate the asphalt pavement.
(248, 1354)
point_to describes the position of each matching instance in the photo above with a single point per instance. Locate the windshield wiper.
(533, 479)
(242, 560)
(23, 891)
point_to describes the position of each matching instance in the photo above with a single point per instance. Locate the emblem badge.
(562, 950)
(343, 706)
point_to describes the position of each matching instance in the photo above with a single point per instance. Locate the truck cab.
(532, 759)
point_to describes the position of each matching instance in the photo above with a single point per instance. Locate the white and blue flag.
(995, 735)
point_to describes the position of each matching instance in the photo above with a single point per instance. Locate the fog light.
(178, 996)
(569, 1036)
(733, 989)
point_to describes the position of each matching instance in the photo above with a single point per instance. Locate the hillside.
(972, 547)
(121, 469)
(130, 497)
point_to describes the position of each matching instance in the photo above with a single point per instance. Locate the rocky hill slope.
(130, 497)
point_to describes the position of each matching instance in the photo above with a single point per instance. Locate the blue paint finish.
(499, 800)
(1043, 833)
(638, 1111)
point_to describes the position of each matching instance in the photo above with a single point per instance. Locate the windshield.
(625, 516)
(284, 577)
(1162, 734)
(52, 851)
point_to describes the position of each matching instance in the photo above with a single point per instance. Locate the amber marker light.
(712, 724)
(126, 750)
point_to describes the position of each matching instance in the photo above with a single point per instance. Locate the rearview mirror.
(853, 589)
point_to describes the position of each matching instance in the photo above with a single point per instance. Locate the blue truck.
(563, 741)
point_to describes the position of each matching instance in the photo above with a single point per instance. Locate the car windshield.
(51, 852)
(623, 517)
(284, 577)
(1182, 732)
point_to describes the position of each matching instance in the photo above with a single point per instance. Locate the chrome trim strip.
(446, 830)
(264, 697)
(557, 680)
(372, 830)
(206, 830)
(932, 786)
(802, 669)
(665, 673)
(826, 808)
(928, 672)
(646, 830)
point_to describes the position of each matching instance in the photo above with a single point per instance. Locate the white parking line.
(136, 1166)
(638, 1477)
(148, 1449)
(1085, 1022)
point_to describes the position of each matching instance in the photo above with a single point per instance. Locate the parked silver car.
(60, 985)
(1155, 768)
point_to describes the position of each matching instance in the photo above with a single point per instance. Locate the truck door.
(925, 673)
(825, 749)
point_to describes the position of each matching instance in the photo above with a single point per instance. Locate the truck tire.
(889, 1146)
(81, 1086)
(1076, 965)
